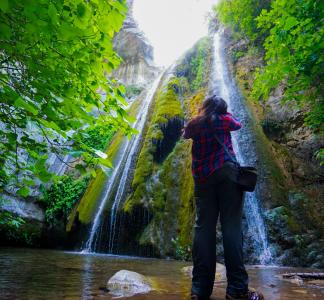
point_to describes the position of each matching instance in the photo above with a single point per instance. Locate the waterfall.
(136, 140)
(119, 176)
(224, 85)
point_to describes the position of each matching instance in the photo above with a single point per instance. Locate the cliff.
(132, 46)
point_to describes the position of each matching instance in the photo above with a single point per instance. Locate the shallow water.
(46, 274)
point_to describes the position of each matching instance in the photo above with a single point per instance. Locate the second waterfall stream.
(224, 85)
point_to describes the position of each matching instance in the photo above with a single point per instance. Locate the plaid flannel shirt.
(207, 154)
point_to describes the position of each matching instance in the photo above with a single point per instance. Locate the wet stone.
(127, 283)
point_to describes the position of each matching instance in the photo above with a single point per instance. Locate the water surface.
(47, 274)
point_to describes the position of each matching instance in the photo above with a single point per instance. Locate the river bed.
(48, 274)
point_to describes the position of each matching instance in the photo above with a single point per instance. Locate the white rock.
(127, 283)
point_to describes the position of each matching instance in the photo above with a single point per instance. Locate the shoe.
(251, 295)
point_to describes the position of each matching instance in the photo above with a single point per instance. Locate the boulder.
(127, 283)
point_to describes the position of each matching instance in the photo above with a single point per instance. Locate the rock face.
(23, 209)
(130, 43)
(127, 283)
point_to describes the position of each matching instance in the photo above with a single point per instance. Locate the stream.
(48, 274)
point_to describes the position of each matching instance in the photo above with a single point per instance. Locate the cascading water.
(121, 188)
(120, 174)
(223, 85)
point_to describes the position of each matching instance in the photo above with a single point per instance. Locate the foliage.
(290, 32)
(15, 230)
(294, 50)
(236, 55)
(240, 15)
(98, 137)
(10, 223)
(54, 58)
(193, 65)
(182, 252)
(60, 198)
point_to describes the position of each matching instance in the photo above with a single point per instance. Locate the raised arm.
(231, 123)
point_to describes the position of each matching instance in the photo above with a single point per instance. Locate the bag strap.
(226, 150)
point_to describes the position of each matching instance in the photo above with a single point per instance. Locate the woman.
(216, 195)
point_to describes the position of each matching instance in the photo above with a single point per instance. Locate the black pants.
(218, 197)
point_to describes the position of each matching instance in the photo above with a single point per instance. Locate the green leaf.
(105, 162)
(30, 107)
(52, 13)
(93, 173)
(29, 182)
(4, 5)
(5, 31)
(290, 22)
(24, 191)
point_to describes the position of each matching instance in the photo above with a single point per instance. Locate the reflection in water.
(46, 274)
(87, 278)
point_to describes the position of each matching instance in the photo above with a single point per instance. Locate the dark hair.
(212, 105)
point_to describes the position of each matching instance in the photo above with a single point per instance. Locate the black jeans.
(219, 196)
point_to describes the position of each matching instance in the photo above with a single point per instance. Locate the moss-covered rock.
(166, 108)
(163, 182)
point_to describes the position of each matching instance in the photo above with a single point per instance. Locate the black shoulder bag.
(245, 177)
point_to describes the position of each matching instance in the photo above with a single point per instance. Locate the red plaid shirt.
(207, 154)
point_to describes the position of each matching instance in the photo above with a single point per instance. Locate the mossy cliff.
(162, 182)
(292, 191)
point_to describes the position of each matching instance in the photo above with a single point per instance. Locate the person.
(216, 195)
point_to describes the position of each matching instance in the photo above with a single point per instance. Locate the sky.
(172, 26)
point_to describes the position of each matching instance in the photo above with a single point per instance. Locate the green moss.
(171, 203)
(186, 210)
(133, 109)
(166, 106)
(193, 103)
